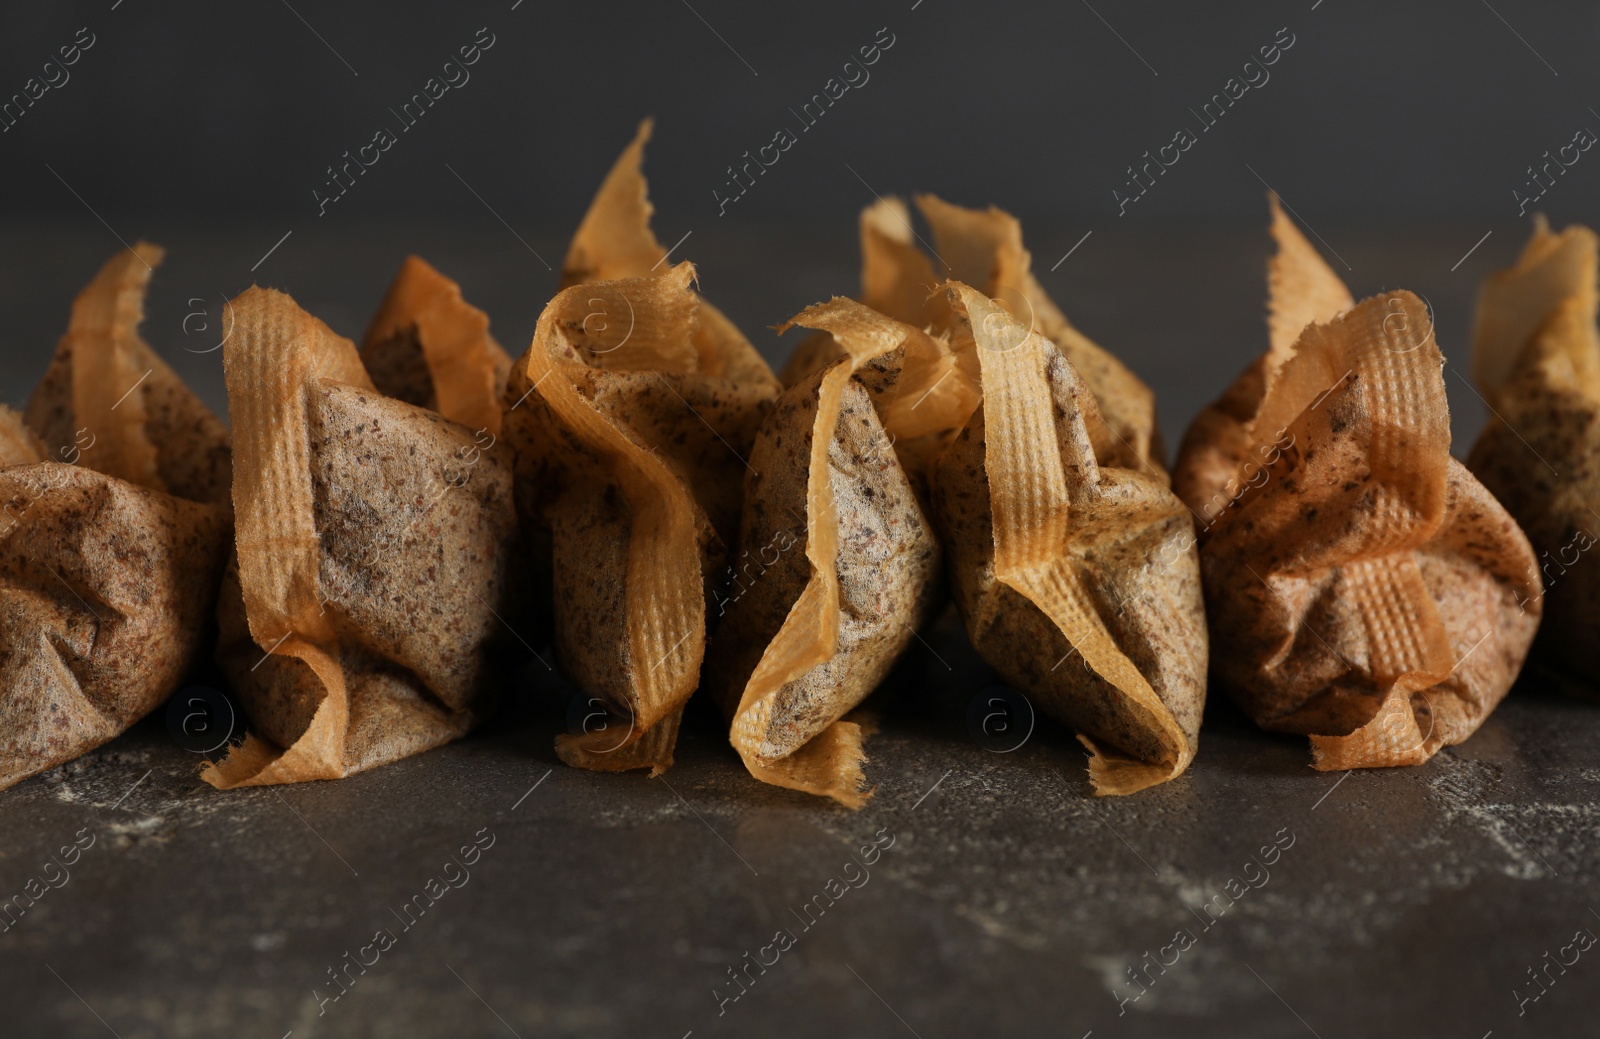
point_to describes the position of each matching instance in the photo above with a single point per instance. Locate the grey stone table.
(1252, 897)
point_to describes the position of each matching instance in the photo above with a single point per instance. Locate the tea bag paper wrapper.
(897, 280)
(108, 401)
(632, 416)
(615, 241)
(107, 574)
(373, 544)
(1303, 290)
(632, 452)
(1536, 356)
(936, 389)
(106, 590)
(838, 566)
(429, 347)
(18, 444)
(1077, 578)
(983, 248)
(1363, 588)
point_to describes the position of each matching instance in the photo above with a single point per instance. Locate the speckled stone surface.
(1411, 902)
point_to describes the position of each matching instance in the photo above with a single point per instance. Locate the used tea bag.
(838, 566)
(1362, 587)
(18, 444)
(373, 547)
(1076, 576)
(983, 248)
(1536, 356)
(631, 455)
(149, 428)
(632, 416)
(1302, 290)
(932, 397)
(429, 347)
(108, 567)
(615, 241)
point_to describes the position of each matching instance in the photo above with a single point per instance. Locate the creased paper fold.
(1077, 578)
(372, 549)
(429, 347)
(632, 415)
(838, 566)
(1363, 588)
(113, 530)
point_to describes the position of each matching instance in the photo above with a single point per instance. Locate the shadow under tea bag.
(1536, 357)
(630, 454)
(853, 566)
(373, 544)
(1077, 578)
(109, 568)
(429, 347)
(1363, 588)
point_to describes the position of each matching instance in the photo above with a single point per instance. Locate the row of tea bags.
(388, 521)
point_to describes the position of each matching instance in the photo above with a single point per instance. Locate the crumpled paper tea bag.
(983, 248)
(933, 394)
(1077, 577)
(629, 458)
(1303, 290)
(839, 566)
(19, 445)
(373, 546)
(148, 427)
(1536, 356)
(632, 416)
(108, 569)
(1362, 587)
(615, 241)
(429, 347)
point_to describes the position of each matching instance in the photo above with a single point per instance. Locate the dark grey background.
(1400, 127)
(1380, 111)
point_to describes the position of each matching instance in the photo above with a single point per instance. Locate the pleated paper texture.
(632, 456)
(374, 543)
(839, 566)
(934, 394)
(632, 416)
(984, 249)
(615, 241)
(1302, 290)
(1362, 587)
(1077, 578)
